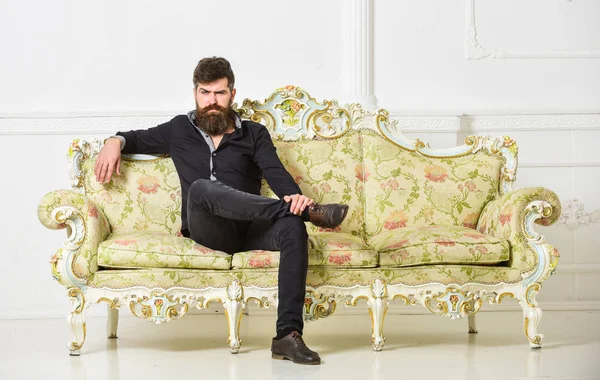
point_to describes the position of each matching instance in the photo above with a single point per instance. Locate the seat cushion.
(151, 249)
(332, 249)
(438, 245)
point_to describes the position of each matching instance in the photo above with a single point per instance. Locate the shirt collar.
(192, 118)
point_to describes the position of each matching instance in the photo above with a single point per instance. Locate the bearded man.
(220, 160)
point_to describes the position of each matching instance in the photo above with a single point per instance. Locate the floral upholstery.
(317, 276)
(324, 249)
(149, 249)
(404, 188)
(326, 171)
(438, 245)
(503, 218)
(146, 196)
(97, 229)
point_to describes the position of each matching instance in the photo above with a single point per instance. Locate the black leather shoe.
(327, 216)
(292, 347)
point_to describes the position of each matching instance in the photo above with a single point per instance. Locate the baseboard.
(360, 308)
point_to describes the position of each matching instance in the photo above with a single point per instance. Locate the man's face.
(213, 112)
(217, 92)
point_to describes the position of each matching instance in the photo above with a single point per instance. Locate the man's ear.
(233, 95)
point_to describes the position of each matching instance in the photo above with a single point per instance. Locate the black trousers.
(225, 219)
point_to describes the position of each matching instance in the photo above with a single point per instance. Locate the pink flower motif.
(173, 196)
(505, 218)
(361, 173)
(299, 179)
(471, 221)
(445, 242)
(289, 87)
(337, 229)
(555, 253)
(54, 258)
(479, 249)
(472, 186)
(296, 106)
(340, 258)
(436, 173)
(393, 183)
(474, 236)
(125, 242)
(339, 244)
(397, 219)
(93, 212)
(399, 244)
(203, 250)
(148, 184)
(399, 256)
(325, 187)
(260, 261)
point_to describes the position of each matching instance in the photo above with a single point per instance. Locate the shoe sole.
(283, 357)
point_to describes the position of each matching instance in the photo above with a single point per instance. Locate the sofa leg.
(531, 315)
(471, 318)
(234, 307)
(377, 308)
(112, 323)
(77, 321)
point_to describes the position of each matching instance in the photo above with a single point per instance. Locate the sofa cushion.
(438, 245)
(327, 171)
(146, 196)
(153, 249)
(404, 188)
(324, 249)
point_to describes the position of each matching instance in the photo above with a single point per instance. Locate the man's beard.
(214, 123)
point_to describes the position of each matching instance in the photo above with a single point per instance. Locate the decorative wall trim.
(574, 215)
(76, 125)
(358, 68)
(475, 51)
(504, 123)
(578, 268)
(446, 124)
(106, 122)
(571, 164)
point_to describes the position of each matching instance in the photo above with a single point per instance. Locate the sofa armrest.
(86, 227)
(512, 217)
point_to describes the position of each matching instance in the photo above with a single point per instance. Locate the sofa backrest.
(335, 154)
(146, 196)
(405, 188)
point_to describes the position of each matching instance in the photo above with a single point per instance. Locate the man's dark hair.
(211, 69)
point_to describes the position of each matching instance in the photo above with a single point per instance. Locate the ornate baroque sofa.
(441, 228)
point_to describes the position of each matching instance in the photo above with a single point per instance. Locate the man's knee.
(293, 226)
(201, 188)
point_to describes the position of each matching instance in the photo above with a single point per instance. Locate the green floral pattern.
(96, 225)
(404, 188)
(326, 172)
(150, 249)
(438, 245)
(146, 196)
(504, 218)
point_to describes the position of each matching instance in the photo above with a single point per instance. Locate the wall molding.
(474, 50)
(574, 215)
(503, 123)
(108, 122)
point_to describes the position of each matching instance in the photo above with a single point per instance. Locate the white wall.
(81, 69)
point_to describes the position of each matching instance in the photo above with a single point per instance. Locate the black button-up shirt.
(240, 161)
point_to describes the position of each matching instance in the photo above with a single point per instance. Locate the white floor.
(417, 347)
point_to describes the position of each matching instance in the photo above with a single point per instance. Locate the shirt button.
(214, 172)
(214, 154)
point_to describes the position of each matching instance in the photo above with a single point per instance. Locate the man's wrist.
(115, 138)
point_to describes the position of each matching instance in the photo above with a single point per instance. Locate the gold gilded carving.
(316, 306)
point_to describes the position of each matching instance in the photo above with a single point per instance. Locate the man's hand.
(109, 160)
(299, 203)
